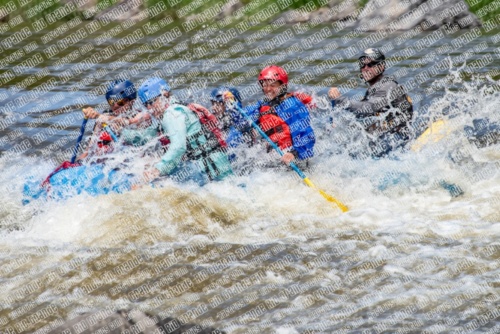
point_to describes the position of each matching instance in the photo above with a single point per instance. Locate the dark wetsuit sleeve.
(377, 101)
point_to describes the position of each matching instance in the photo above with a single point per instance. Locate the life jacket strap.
(272, 131)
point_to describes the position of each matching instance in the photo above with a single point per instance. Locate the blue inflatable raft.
(93, 180)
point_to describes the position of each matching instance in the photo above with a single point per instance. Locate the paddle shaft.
(293, 165)
(82, 131)
(273, 144)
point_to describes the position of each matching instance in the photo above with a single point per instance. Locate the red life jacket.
(104, 143)
(209, 121)
(275, 127)
(104, 139)
(164, 141)
(304, 98)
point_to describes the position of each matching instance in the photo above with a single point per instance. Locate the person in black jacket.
(385, 111)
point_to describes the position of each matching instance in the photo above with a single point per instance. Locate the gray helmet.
(375, 55)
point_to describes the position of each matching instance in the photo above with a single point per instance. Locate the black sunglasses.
(150, 101)
(119, 102)
(370, 65)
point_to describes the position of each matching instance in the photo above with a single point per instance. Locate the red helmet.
(274, 72)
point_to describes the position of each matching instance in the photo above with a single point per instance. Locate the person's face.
(369, 69)
(155, 106)
(271, 88)
(120, 106)
(219, 108)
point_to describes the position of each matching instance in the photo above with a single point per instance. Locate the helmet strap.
(283, 90)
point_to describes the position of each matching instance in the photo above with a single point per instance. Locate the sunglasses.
(150, 101)
(370, 65)
(120, 102)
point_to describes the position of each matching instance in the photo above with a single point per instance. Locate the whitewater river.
(262, 252)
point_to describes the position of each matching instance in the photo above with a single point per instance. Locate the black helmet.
(375, 55)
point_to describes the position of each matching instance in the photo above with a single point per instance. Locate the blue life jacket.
(296, 116)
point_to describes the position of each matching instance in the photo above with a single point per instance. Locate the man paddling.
(124, 111)
(283, 117)
(229, 119)
(192, 153)
(385, 111)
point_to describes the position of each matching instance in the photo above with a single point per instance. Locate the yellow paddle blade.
(434, 133)
(329, 198)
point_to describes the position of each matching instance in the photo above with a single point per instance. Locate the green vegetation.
(485, 9)
(363, 3)
(187, 9)
(177, 9)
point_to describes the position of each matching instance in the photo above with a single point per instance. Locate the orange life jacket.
(275, 127)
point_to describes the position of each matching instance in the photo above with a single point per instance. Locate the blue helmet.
(152, 88)
(121, 89)
(217, 94)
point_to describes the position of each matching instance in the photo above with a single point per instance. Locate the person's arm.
(306, 99)
(138, 137)
(91, 113)
(142, 120)
(238, 120)
(174, 124)
(377, 101)
(139, 123)
(96, 131)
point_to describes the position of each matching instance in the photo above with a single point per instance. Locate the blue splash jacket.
(296, 116)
